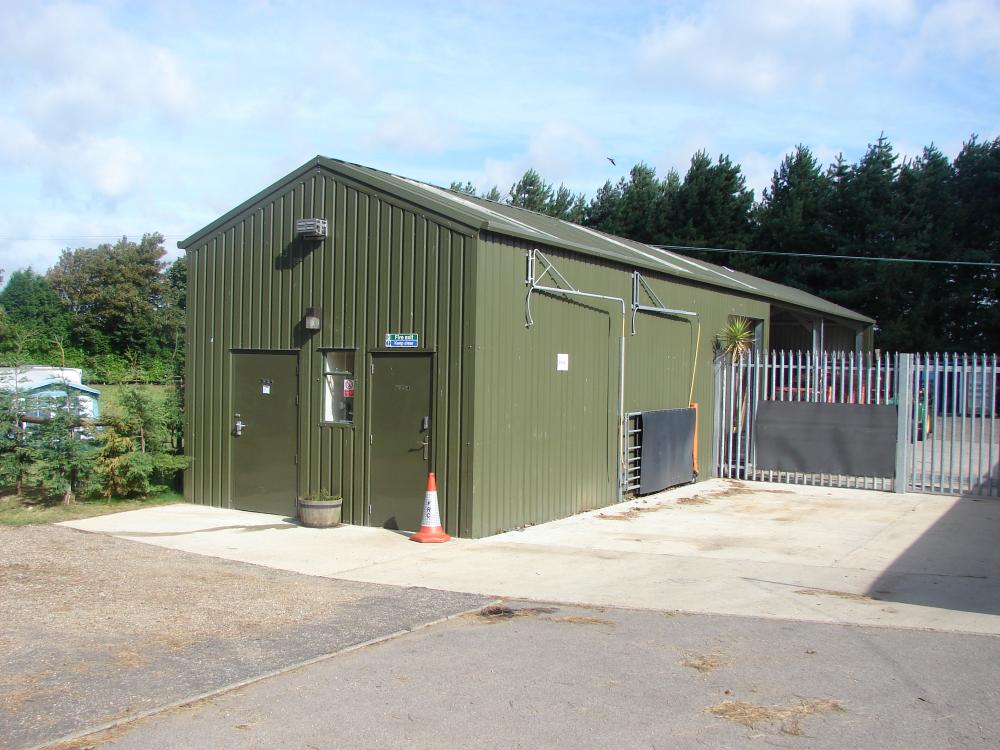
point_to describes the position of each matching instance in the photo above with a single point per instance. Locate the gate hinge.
(296, 399)
(296, 459)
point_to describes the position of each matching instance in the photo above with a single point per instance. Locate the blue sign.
(402, 341)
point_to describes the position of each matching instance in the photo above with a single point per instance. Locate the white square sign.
(562, 362)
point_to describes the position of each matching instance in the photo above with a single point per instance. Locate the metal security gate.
(946, 440)
(633, 452)
(955, 438)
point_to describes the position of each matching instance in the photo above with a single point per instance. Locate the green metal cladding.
(516, 439)
(385, 266)
(546, 441)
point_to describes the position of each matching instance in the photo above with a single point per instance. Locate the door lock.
(238, 425)
(426, 447)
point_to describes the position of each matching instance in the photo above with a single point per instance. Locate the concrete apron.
(721, 547)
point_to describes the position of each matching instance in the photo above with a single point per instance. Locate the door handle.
(426, 447)
(238, 426)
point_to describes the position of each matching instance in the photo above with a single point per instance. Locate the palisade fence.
(947, 438)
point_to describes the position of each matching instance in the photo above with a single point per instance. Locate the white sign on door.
(562, 362)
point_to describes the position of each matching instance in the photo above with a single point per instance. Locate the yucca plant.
(736, 338)
(736, 341)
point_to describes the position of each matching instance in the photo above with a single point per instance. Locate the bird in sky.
(611, 160)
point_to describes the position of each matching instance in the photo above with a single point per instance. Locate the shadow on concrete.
(264, 527)
(955, 564)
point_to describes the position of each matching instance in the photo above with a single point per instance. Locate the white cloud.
(559, 151)
(757, 48)
(758, 167)
(560, 147)
(112, 165)
(74, 70)
(965, 29)
(73, 82)
(18, 143)
(95, 94)
(36, 239)
(689, 135)
(412, 129)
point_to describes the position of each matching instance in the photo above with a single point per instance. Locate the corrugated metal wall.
(546, 441)
(386, 267)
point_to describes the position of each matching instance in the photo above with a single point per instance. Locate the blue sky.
(122, 117)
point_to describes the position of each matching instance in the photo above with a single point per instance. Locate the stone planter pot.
(319, 514)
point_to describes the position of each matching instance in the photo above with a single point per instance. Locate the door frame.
(230, 443)
(373, 355)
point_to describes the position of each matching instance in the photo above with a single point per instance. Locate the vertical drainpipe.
(621, 409)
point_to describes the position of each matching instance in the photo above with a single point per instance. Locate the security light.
(313, 319)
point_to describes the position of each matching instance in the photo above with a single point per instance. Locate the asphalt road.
(96, 629)
(562, 677)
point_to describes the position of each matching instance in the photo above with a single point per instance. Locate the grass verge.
(111, 394)
(19, 511)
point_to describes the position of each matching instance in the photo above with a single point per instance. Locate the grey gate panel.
(667, 449)
(746, 385)
(947, 432)
(814, 438)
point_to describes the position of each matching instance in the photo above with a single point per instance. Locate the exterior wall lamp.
(313, 319)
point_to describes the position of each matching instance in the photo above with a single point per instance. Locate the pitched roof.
(39, 384)
(483, 215)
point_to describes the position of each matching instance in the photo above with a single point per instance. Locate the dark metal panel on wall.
(667, 449)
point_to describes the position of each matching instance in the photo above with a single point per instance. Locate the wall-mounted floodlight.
(313, 319)
(311, 229)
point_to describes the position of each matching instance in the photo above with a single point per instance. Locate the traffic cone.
(430, 526)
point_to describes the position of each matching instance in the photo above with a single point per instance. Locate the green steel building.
(349, 330)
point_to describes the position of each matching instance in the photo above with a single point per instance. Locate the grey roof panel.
(520, 222)
(483, 215)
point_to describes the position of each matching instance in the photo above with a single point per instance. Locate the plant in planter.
(320, 509)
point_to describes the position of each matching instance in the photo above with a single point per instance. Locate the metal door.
(264, 431)
(400, 452)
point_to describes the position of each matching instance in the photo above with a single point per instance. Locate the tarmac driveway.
(722, 547)
(97, 629)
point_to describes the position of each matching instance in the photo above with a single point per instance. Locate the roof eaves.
(418, 193)
(413, 192)
(230, 215)
(478, 214)
(34, 386)
(650, 257)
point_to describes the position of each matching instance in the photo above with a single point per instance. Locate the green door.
(264, 432)
(400, 439)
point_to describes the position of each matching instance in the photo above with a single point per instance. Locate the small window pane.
(338, 387)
